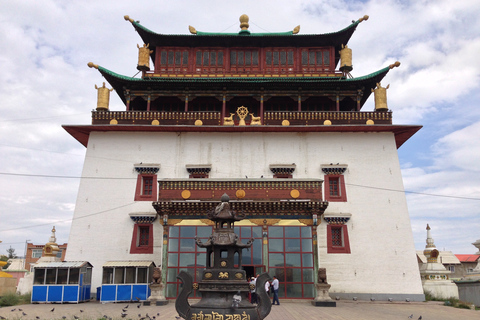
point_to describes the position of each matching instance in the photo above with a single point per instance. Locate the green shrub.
(9, 299)
(26, 298)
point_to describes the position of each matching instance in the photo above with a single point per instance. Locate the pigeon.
(81, 310)
(124, 309)
(64, 317)
(23, 313)
(138, 306)
(76, 317)
(158, 313)
(126, 306)
(3, 318)
(20, 309)
(13, 310)
(420, 318)
(52, 310)
(124, 315)
(410, 316)
(37, 317)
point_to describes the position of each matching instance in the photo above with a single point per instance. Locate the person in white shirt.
(275, 285)
(253, 294)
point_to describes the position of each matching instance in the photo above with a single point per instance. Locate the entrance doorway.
(250, 271)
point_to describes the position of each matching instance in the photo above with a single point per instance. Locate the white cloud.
(45, 83)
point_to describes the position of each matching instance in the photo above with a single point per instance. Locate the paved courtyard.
(288, 310)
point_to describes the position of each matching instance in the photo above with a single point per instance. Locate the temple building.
(275, 121)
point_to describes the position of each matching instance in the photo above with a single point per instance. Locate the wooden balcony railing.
(306, 118)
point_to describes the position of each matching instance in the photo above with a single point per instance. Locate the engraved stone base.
(323, 299)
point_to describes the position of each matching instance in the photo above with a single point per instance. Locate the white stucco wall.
(382, 258)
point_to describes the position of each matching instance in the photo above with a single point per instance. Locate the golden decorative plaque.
(294, 193)
(155, 123)
(208, 275)
(240, 194)
(223, 263)
(186, 194)
(239, 275)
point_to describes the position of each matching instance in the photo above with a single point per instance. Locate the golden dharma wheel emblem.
(198, 122)
(113, 121)
(240, 194)
(327, 123)
(155, 123)
(223, 263)
(195, 286)
(370, 122)
(186, 194)
(239, 275)
(285, 123)
(208, 275)
(294, 194)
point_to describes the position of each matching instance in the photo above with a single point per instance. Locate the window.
(37, 253)
(335, 188)
(142, 239)
(208, 60)
(174, 60)
(337, 239)
(451, 268)
(244, 58)
(146, 187)
(59, 253)
(144, 236)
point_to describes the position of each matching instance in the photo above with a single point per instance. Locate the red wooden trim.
(139, 188)
(134, 247)
(346, 243)
(341, 182)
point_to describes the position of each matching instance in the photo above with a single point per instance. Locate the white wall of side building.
(382, 258)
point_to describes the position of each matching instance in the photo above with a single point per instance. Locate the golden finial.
(296, 29)
(92, 65)
(364, 18)
(127, 18)
(428, 227)
(393, 65)
(192, 30)
(244, 22)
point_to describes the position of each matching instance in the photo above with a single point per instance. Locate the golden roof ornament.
(244, 22)
(296, 29)
(127, 18)
(192, 30)
(92, 65)
(103, 97)
(364, 18)
(380, 94)
(393, 65)
(144, 57)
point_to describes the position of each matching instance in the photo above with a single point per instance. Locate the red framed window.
(142, 239)
(337, 239)
(335, 188)
(146, 189)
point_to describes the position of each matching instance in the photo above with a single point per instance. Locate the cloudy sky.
(45, 82)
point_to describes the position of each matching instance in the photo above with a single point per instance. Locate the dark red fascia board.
(402, 132)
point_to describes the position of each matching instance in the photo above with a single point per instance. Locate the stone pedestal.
(156, 297)
(323, 299)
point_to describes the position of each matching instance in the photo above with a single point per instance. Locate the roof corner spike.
(127, 18)
(396, 64)
(92, 65)
(364, 18)
(192, 30)
(296, 29)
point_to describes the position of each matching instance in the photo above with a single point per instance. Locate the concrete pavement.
(287, 310)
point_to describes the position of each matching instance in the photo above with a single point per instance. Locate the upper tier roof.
(246, 39)
(219, 84)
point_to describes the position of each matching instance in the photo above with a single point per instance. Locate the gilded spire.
(244, 22)
(127, 18)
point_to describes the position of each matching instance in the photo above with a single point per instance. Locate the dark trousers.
(253, 297)
(275, 297)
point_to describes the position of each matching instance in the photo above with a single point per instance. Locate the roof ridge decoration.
(244, 28)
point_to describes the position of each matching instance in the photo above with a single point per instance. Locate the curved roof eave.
(365, 83)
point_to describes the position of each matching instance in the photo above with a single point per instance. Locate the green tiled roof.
(246, 84)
